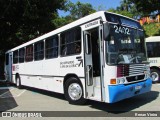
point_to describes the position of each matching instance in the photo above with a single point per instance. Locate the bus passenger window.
(15, 57)
(51, 47)
(71, 42)
(77, 48)
(64, 50)
(21, 55)
(29, 53)
(39, 50)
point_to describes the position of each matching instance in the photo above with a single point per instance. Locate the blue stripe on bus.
(120, 92)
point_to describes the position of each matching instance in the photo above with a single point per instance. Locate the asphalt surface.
(29, 99)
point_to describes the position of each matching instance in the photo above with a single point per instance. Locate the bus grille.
(133, 72)
(135, 78)
(135, 69)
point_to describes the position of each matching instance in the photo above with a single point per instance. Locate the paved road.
(28, 99)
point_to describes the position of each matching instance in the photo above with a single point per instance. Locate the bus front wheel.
(73, 91)
(155, 75)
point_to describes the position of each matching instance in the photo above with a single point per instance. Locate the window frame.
(154, 52)
(26, 54)
(19, 59)
(15, 57)
(38, 51)
(65, 43)
(52, 39)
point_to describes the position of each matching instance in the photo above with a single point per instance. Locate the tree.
(23, 20)
(79, 10)
(138, 8)
(152, 29)
(126, 8)
(76, 11)
(146, 6)
(125, 5)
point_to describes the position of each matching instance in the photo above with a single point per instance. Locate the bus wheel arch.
(18, 81)
(73, 89)
(155, 74)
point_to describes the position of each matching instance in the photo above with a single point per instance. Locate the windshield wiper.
(135, 58)
(127, 58)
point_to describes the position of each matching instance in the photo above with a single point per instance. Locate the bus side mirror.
(105, 31)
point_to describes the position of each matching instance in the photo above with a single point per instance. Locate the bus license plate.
(138, 87)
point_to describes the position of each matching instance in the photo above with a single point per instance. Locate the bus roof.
(153, 39)
(78, 22)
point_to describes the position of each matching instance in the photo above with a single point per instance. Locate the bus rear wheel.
(73, 91)
(18, 82)
(155, 75)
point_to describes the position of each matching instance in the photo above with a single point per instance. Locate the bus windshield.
(125, 45)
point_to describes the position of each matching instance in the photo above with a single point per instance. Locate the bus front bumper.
(120, 92)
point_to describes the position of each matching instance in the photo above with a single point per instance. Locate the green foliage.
(126, 8)
(124, 12)
(146, 6)
(76, 11)
(79, 10)
(61, 21)
(152, 29)
(138, 8)
(23, 20)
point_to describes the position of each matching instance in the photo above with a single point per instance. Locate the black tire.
(18, 82)
(155, 75)
(73, 91)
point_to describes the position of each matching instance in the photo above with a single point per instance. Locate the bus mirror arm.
(105, 31)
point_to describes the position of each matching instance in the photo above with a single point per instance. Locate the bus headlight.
(120, 80)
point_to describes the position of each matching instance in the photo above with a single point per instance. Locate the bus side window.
(15, 57)
(71, 42)
(39, 50)
(78, 40)
(21, 55)
(156, 49)
(77, 48)
(29, 53)
(51, 47)
(63, 45)
(64, 50)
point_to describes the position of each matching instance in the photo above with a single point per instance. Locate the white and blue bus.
(153, 50)
(100, 57)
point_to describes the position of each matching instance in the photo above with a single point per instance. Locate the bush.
(152, 29)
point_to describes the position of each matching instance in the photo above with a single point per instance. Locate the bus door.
(93, 65)
(8, 69)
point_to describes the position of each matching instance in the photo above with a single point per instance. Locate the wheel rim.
(75, 91)
(154, 76)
